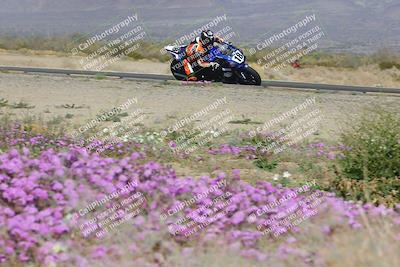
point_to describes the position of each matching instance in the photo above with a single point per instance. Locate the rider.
(197, 51)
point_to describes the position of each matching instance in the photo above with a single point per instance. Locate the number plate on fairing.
(238, 57)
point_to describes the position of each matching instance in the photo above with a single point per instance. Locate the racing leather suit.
(196, 52)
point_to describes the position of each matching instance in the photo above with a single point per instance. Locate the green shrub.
(388, 65)
(266, 164)
(374, 147)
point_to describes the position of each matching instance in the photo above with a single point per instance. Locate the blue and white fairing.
(228, 53)
(178, 52)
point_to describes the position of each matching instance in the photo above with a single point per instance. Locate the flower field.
(61, 205)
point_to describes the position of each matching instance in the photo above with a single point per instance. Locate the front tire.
(248, 76)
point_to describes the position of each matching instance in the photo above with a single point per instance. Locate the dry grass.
(369, 75)
(373, 246)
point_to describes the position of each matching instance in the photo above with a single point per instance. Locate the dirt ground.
(366, 75)
(164, 103)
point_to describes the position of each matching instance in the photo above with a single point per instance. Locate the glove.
(214, 65)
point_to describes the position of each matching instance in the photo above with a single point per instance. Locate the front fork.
(238, 73)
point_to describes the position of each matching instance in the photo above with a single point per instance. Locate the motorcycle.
(232, 68)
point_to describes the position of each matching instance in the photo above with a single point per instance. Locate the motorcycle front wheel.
(248, 76)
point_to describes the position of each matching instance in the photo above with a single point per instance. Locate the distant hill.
(358, 25)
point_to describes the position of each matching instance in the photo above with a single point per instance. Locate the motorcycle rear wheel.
(177, 70)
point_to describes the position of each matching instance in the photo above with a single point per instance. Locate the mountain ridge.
(370, 23)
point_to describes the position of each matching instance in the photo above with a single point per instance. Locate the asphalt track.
(162, 77)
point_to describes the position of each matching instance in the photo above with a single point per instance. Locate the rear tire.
(252, 76)
(178, 71)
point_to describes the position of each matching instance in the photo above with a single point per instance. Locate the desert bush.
(369, 169)
(374, 145)
(378, 191)
(56, 43)
(65, 43)
(334, 60)
(385, 59)
(265, 164)
(388, 65)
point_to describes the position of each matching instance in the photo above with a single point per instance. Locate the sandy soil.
(164, 103)
(367, 75)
